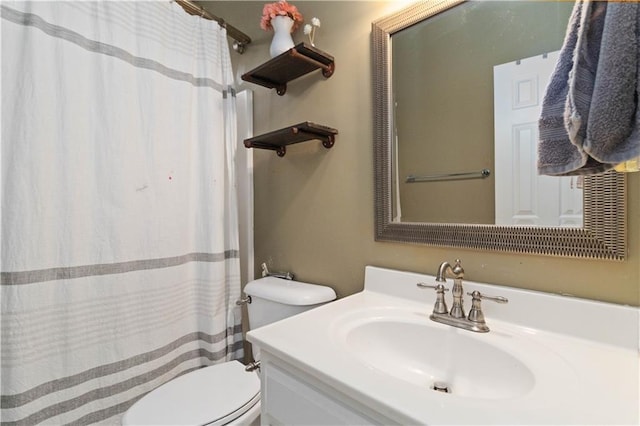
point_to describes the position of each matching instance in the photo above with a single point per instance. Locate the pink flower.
(280, 8)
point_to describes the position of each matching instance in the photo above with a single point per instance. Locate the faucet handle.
(436, 287)
(440, 307)
(477, 295)
(475, 314)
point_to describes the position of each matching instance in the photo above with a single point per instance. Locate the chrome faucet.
(456, 316)
(457, 310)
(283, 275)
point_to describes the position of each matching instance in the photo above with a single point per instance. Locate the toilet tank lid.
(289, 292)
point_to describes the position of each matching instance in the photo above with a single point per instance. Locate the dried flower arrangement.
(310, 29)
(280, 8)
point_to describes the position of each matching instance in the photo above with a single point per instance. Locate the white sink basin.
(435, 359)
(441, 358)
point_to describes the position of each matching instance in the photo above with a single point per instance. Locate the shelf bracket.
(328, 140)
(327, 69)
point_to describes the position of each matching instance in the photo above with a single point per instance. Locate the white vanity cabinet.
(293, 397)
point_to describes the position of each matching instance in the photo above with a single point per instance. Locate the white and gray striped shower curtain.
(120, 264)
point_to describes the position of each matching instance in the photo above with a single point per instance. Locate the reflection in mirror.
(449, 125)
(438, 65)
(522, 197)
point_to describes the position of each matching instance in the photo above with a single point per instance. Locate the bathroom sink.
(440, 358)
(547, 359)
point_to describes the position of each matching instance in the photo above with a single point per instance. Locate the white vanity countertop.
(590, 376)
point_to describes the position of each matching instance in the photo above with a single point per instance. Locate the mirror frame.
(604, 231)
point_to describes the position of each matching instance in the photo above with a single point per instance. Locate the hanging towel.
(556, 153)
(590, 121)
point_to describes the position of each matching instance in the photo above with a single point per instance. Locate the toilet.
(226, 394)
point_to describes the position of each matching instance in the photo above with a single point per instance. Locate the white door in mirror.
(523, 197)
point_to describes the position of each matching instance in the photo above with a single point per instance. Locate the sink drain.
(441, 387)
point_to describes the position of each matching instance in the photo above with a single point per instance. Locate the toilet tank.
(273, 299)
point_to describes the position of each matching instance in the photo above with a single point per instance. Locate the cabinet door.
(288, 399)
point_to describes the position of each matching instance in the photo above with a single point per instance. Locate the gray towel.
(590, 121)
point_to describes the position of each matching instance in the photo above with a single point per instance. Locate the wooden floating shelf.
(295, 62)
(279, 139)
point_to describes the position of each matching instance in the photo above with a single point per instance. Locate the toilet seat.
(209, 396)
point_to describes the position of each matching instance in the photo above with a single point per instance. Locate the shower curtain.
(120, 263)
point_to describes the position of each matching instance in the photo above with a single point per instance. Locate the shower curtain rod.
(241, 39)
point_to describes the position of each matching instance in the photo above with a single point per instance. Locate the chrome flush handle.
(243, 301)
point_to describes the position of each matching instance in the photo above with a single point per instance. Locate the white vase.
(282, 40)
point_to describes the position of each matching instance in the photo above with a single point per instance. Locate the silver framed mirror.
(602, 235)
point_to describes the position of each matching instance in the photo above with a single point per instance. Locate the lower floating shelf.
(279, 139)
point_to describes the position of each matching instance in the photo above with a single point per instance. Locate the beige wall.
(314, 207)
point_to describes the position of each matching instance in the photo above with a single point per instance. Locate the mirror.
(600, 234)
(484, 90)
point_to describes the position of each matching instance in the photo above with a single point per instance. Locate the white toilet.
(225, 394)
